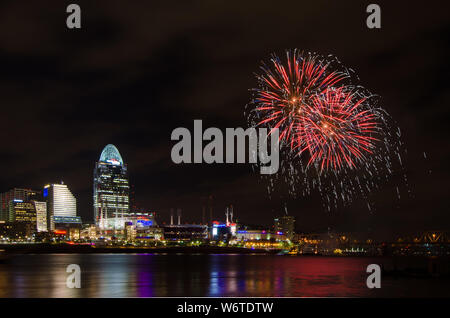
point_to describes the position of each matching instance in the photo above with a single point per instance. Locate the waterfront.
(170, 275)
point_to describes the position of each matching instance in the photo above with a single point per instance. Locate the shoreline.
(45, 248)
(86, 249)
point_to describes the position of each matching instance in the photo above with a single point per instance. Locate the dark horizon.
(135, 72)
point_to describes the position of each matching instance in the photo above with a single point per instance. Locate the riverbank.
(88, 249)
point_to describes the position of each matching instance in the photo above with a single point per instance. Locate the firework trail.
(286, 92)
(333, 137)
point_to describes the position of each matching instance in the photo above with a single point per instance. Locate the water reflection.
(146, 275)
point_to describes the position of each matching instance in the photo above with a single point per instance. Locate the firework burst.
(333, 137)
(336, 130)
(288, 90)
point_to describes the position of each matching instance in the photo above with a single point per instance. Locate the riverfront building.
(285, 225)
(7, 202)
(111, 190)
(41, 216)
(60, 203)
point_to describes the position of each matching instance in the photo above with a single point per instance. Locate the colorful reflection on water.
(146, 275)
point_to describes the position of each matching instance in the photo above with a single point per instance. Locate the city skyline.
(81, 98)
(219, 157)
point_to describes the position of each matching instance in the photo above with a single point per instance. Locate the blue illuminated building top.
(111, 155)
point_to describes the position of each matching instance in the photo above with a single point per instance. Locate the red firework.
(336, 130)
(287, 90)
(315, 115)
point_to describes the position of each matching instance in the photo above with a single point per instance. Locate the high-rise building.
(111, 190)
(24, 211)
(60, 203)
(24, 215)
(41, 216)
(285, 225)
(7, 201)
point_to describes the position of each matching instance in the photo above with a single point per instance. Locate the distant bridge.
(434, 237)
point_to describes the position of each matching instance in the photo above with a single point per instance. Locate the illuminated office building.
(69, 226)
(24, 215)
(41, 215)
(7, 202)
(111, 190)
(60, 203)
(285, 225)
(24, 211)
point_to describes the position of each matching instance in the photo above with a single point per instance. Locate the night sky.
(139, 69)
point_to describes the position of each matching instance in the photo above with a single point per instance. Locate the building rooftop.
(110, 154)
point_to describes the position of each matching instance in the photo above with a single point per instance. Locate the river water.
(152, 275)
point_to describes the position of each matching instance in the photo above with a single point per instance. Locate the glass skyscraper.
(111, 190)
